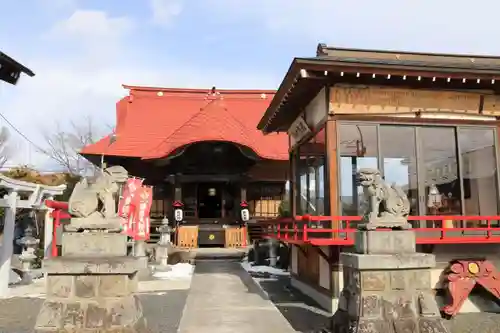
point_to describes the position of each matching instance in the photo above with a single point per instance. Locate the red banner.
(126, 205)
(143, 199)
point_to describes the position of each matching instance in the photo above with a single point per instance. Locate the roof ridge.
(199, 90)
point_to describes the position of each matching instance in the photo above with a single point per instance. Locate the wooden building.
(428, 122)
(10, 69)
(200, 147)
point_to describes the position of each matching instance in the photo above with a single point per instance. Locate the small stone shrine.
(90, 288)
(386, 282)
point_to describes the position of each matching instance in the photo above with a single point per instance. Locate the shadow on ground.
(304, 314)
(163, 312)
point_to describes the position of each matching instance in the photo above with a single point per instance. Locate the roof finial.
(213, 93)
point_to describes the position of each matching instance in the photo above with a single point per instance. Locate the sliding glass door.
(443, 170)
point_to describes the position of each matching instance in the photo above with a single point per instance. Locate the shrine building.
(428, 122)
(199, 147)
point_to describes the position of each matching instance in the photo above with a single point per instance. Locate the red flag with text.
(126, 207)
(143, 199)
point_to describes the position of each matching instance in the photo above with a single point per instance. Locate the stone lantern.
(29, 245)
(165, 242)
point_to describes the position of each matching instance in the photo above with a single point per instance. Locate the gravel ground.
(475, 323)
(163, 312)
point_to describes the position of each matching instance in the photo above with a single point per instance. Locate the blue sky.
(83, 50)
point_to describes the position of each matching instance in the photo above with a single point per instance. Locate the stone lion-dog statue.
(92, 205)
(389, 206)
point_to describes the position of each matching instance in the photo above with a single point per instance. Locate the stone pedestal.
(387, 288)
(90, 288)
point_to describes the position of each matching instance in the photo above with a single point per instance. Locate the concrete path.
(224, 299)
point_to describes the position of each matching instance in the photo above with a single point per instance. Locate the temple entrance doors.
(210, 200)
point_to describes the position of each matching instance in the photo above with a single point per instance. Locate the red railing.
(319, 230)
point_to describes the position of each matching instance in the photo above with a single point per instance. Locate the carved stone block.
(432, 325)
(371, 326)
(405, 325)
(385, 242)
(373, 281)
(420, 279)
(50, 317)
(59, 286)
(371, 306)
(73, 316)
(96, 317)
(86, 286)
(93, 244)
(399, 280)
(113, 286)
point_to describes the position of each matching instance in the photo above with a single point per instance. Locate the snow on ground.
(263, 270)
(177, 271)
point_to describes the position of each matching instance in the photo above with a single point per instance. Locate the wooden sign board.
(381, 100)
(298, 130)
(491, 105)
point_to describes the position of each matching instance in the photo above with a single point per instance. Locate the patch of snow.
(264, 270)
(177, 271)
(14, 278)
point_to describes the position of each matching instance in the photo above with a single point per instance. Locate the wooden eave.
(307, 76)
(10, 69)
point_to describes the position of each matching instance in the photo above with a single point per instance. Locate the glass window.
(479, 171)
(439, 165)
(399, 159)
(358, 149)
(310, 166)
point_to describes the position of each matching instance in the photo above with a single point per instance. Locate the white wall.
(324, 269)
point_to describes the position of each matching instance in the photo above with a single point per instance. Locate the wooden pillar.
(294, 178)
(177, 188)
(332, 167)
(334, 209)
(243, 191)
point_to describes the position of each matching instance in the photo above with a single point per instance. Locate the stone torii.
(21, 194)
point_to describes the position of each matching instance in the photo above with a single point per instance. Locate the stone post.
(142, 259)
(273, 257)
(7, 242)
(387, 286)
(48, 231)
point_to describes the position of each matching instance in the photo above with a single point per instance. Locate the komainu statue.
(389, 206)
(92, 205)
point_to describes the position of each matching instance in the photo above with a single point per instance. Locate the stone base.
(94, 222)
(91, 295)
(382, 242)
(90, 315)
(93, 244)
(387, 293)
(344, 324)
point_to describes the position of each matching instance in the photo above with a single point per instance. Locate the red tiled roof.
(153, 122)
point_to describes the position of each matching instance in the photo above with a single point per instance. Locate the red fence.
(59, 213)
(339, 230)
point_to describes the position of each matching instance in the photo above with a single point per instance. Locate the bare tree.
(63, 146)
(6, 149)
